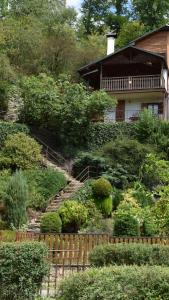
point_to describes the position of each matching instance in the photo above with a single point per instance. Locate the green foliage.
(154, 171)
(126, 225)
(51, 223)
(105, 205)
(20, 152)
(130, 254)
(152, 13)
(128, 153)
(85, 192)
(63, 106)
(117, 282)
(102, 133)
(129, 31)
(99, 226)
(23, 267)
(7, 128)
(16, 200)
(117, 198)
(73, 215)
(97, 164)
(43, 184)
(143, 196)
(101, 188)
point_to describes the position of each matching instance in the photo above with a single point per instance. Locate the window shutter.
(160, 108)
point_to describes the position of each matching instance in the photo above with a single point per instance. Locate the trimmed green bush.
(73, 215)
(7, 128)
(102, 133)
(130, 254)
(101, 188)
(118, 282)
(105, 206)
(22, 269)
(126, 225)
(51, 223)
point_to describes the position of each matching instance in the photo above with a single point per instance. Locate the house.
(136, 75)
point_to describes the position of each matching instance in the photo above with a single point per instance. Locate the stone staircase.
(66, 194)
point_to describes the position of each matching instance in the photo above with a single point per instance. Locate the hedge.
(114, 283)
(22, 268)
(102, 133)
(130, 254)
(7, 128)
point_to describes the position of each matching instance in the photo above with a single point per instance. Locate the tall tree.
(94, 13)
(152, 13)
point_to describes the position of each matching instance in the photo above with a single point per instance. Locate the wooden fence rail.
(74, 249)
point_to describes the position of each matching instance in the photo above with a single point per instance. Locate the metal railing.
(87, 173)
(127, 115)
(132, 83)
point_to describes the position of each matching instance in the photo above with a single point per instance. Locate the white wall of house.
(133, 104)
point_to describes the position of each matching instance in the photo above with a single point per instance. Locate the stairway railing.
(51, 154)
(87, 173)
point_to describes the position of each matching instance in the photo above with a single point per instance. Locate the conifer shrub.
(130, 254)
(105, 205)
(23, 267)
(117, 282)
(16, 199)
(51, 223)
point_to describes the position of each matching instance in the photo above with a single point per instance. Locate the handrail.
(87, 173)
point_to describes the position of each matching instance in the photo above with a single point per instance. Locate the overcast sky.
(74, 3)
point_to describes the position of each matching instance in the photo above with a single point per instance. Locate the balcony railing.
(132, 83)
(128, 115)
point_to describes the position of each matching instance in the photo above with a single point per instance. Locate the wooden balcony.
(145, 82)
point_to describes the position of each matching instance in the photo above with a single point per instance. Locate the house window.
(154, 108)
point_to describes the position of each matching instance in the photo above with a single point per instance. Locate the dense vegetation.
(23, 267)
(118, 282)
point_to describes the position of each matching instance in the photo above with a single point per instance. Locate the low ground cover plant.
(130, 254)
(23, 267)
(117, 282)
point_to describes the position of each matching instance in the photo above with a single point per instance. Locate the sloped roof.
(98, 62)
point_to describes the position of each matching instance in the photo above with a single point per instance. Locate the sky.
(74, 3)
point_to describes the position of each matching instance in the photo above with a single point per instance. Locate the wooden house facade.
(136, 75)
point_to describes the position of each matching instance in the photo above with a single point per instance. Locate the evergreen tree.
(16, 200)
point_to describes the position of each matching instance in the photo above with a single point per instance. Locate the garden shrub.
(130, 254)
(20, 152)
(16, 199)
(85, 192)
(43, 184)
(99, 226)
(101, 188)
(73, 215)
(23, 267)
(127, 152)
(143, 196)
(117, 282)
(51, 223)
(126, 225)
(102, 133)
(154, 171)
(8, 128)
(105, 205)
